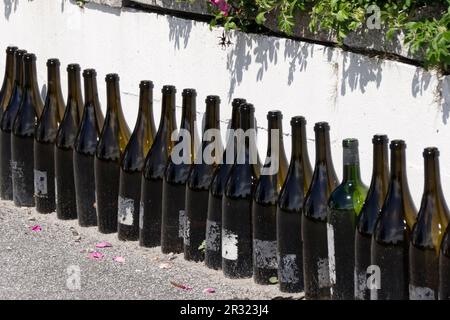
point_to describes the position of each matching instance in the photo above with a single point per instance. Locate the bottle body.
(444, 267)
(7, 120)
(237, 248)
(7, 87)
(392, 233)
(150, 210)
(314, 219)
(289, 212)
(132, 164)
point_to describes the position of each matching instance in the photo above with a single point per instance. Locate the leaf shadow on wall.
(179, 31)
(10, 5)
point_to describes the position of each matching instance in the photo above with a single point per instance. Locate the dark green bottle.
(173, 217)
(444, 267)
(213, 250)
(264, 207)
(289, 213)
(132, 163)
(7, 87)
(314, 219)
(237, 248)
(110, 147)
(22, 139)
(7, 119)
(344, 206)
(153, 173)
(369, 215)
(199, 181)
(392, 233)
(427, 233)
(84, 151)
(66, 203)
(44, 141)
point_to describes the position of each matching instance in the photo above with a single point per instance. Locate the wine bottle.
(314, 218)
(44, 141)
(22, 139)
(173, 216)
(344, 206)
(199, 181)
(132, 163)
(85, 147)
(444, 267)
(6, 124)
(213, 250)
(390, 241)
(289, 212)
(66, 205)
(426, 237)
(264, 207)
(369, 214)
(237, 200)
(110, 147)
(8, 80)
(153, 173)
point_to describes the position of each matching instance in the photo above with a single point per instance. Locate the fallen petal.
(119, 259)
(209, 290)
(165, 266)
(103, 245)
(181, 286)
(36, 228)
(96, 255)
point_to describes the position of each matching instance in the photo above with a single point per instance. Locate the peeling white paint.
(229, 245)
(126, 211)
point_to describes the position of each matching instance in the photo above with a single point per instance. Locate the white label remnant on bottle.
(126, 211)
(187, 231)
(331, 256)
(420, 293)
(141, 215)
(288, 271)
(323, 273)
(229, 245)
(265, 254)
(212, 236)
(56, 191)
(360, 284)
(40, 184)
(181, 223)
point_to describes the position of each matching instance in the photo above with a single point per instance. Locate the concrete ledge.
(111, 3)
(196, 6)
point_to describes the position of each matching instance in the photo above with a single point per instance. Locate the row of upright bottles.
(190, 194)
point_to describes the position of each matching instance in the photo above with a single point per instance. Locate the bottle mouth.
(350, 143)
(246, 107)
(321, 126)
(212, 99)
(11, 50)
(298, 120)
(431, 152)
(146, 84)
(397, 144)
(29, 57)
(189, 92)
(237, 102)
(73, 67)
(274, 115)
(53, 62)
(169, 89)
(20, 53)
(111, 77)
(89, 73)
(380, 139)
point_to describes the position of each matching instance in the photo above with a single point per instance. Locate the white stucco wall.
(357, 95)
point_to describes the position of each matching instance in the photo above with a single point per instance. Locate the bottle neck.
(351, 170)
(30, 80)
(398, 166)
(9, 71)
(145, 102)
(212, 116)
(167, 110)
(74, 91)
(234, 118)
(113, 97)
(380, 161)
(323, 150)
(432, 182)
(53, 80)
(19, 75)
(188, 113)
(275, 138)
(90, 90)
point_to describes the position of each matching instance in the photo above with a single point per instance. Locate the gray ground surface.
(34, 265)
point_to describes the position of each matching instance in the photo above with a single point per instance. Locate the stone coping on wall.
(364, 40)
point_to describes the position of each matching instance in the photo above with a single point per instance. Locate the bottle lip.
(29, 57)
(274, 115)
(238, 101)
(189, 92)
(73, 67)
(89, 73)
(321, 126)
(11, 49)
(380, 139)
(146, 84)
(246, 107)
(53, 62)
(431, 152)
(350, 143)
(212, 99)
(110, 77)
(397, 144)
(297, 120)
(20, 53)
(168, 89)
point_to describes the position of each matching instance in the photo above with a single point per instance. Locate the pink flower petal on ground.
(96, 255)
(181, 286)
(119, 259)
(209, 290)
(103, 245)
(36, 228)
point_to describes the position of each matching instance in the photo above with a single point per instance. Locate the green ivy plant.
(429, 36)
